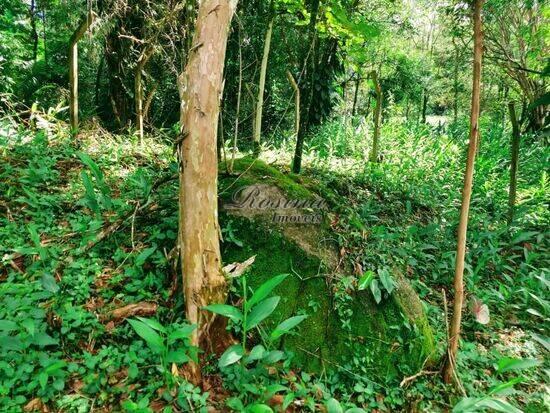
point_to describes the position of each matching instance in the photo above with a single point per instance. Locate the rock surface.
(389, 338)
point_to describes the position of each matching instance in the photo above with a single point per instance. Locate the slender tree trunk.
(514, 162)
(261, 88)
(238, 109)
(149, 101)
(455, 83)
(424, 104)
(376, 116)
(504, 99)
(34, 32)
(138, 89)
(297, 161)
(44, 35)
(73, 69)
(355, 94)
(98, 82)
(454, 334)
(296, 102)
(201, 86)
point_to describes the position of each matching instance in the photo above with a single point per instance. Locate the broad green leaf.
(509, 364)
(90, 192)
(259, 408)
(261, 311)
(142, 257)
(264, 290)
(154, 324)
(287, 325)
(231, 355)
(182, 332)
(49, 283)
(289, 398)
(256, 353)
(43, 339)
(177, 356)
(7, 325)
(365, 280)
(473, 405)
(235, 403)
(55, 366)
(386, 280)
(504, 386)
(376, 293)
(543, 341)
(226, 310)
(28, 323)
(151, 337)
(333, 406)
(499, 405)
(43, 379)
(273, 356)
(274, 388)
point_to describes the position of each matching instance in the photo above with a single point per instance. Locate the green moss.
(382, 340)
(248, 171)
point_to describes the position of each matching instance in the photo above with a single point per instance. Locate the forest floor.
(87, 240)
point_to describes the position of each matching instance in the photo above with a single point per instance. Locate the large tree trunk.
(201, 88)
(514, 161)
(261, 88)
(454, 334)
(376, 115)
(73, 69)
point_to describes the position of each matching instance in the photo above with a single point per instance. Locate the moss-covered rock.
(345, 327)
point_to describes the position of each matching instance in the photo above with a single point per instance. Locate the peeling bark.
(201, 87)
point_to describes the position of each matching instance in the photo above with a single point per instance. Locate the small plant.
(254, 311)
(253, 377)
(384, 280)
(170, 343)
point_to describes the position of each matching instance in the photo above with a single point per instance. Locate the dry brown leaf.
(237, 269)
(36, 405)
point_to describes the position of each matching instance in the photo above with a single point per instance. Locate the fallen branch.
(142, 308)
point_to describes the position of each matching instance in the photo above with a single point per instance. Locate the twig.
(412, 378)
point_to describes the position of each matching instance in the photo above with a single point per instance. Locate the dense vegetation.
(107, 290)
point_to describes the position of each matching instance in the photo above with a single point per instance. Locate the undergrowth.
(88, 232)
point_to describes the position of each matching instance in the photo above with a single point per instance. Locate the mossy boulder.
(345, 328)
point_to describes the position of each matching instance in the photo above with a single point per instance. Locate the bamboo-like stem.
(296, 102)
(466, 195)
(261, 87)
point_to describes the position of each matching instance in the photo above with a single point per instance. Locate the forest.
(274, 206)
